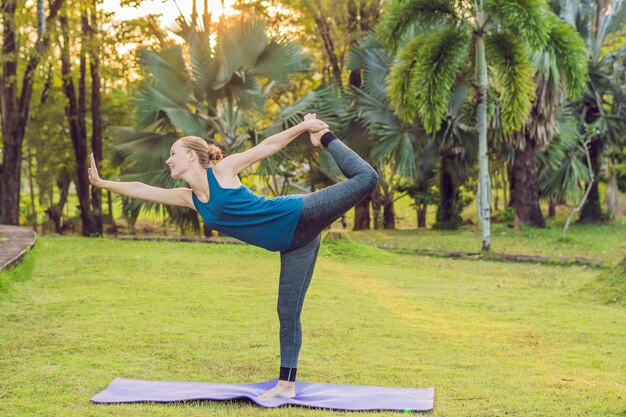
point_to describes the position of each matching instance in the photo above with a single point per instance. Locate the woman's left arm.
(238, 162)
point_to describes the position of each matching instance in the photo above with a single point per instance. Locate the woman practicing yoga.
(290, 224)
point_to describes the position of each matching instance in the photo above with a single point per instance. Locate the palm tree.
(390, 143)
(404, 149)
(602, 108)
(562, 169)
(456, 142)
(428, 66)
(213, 90)
(560, 68)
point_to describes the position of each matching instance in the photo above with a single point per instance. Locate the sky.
(167, 8)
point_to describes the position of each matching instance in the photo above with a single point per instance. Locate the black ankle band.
(288, 374)
(327, 137)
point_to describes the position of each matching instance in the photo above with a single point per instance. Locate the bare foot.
(316, 138)
(283, 389)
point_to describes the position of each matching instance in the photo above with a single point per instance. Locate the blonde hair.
(206, 152)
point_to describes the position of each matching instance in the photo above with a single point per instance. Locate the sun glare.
(170, 10)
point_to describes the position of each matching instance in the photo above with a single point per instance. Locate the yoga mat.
(330, 396)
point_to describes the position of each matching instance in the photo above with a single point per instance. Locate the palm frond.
(527, 17)
(513, 78)
(398, 16)
(618, 18)
(204, 66)
(571, 56)
(402, 87)
(562, 170)
(169, 72)
(396, 148)
(438, 63)
(279, 60)
(368, 56)
(240, 43)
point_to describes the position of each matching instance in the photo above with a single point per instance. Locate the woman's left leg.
(296, 270)
(321, 208)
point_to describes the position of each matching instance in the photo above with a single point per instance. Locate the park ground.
(493, 338)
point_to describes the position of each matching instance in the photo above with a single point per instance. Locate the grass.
(604, 242)
(493, 339)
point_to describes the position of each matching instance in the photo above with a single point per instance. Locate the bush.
(506, 216)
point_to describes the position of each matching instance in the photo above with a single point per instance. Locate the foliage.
(212, 91)
(425, 71)
(506, 216)
(562, 165)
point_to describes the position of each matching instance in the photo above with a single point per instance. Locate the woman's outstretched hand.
(316, 128)
(94, 178)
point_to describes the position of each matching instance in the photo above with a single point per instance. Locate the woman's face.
(178, 162)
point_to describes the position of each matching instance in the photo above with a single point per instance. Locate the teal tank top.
(266, 222)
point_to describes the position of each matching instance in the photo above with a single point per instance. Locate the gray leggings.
(319, 210)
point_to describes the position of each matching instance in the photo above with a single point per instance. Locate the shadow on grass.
(609, 287)
(20, 272)
(239, 403)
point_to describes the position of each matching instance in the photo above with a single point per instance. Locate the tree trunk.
(592, 210)
(362, 214)
(13, 109)
(31, 185)
(496, 198)
(329, 46)
(504, 185)
(611, 198)
(12, 135)
(484, 185)
(448, 217)
(1, 199)
(111, 218)
(524, 191)
(445, 210)
(389, 216)
(12, 167)
(96, 120)
(55, 211)
(552, 208)
(77, 133)
(377, 204)
(421, 215)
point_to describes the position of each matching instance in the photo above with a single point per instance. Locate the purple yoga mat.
(331, 396)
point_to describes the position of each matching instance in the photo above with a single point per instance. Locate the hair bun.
(215, 154)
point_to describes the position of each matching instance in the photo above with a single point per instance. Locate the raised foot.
(316, 137)
(282, 390)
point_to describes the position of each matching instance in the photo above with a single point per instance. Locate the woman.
(290, 224)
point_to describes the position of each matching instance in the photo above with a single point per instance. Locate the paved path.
(14, 243)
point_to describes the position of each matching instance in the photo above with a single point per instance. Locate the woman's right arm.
(170, 196)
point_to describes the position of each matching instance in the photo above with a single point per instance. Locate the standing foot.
(283, 389)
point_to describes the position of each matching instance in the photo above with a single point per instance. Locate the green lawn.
(494, 339)
(605, 242)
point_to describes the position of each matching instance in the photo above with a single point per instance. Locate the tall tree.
(93, 43)
(602, 107)
(15, 102)
(76, 112)
(560, 69)
(442, 33)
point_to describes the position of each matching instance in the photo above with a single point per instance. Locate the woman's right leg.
(321, 208)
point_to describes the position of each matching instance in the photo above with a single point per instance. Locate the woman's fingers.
(319, 125)
(93, 171)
